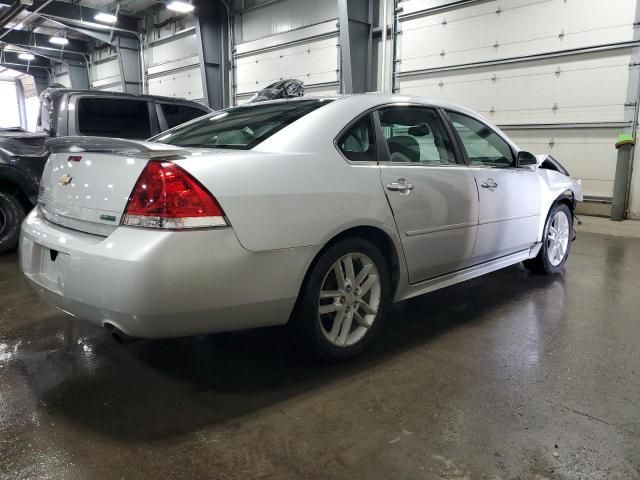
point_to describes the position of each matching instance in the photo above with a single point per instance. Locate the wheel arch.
(10, 187)
(375, 235)
(16, 183)
(566, 197)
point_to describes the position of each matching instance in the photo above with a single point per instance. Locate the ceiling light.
(106, 17)
(59, 40)
(26, 56)
(182, 7)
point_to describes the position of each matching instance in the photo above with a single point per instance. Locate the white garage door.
(312, 59)
(552, 73)
(287, 39)
(173, 66)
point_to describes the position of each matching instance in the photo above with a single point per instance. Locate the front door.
(510, 197)
(433, 197)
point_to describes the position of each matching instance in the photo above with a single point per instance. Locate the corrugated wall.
(283, 16)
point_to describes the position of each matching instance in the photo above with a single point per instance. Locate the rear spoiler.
(114, 146)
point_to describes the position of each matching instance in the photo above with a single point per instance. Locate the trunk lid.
(87, 181)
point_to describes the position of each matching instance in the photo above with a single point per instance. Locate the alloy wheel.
(349, 299)
(558, 238)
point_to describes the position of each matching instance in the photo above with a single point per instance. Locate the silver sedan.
(314, 212)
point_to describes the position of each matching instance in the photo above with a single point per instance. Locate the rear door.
(432, 193)
(510, 197)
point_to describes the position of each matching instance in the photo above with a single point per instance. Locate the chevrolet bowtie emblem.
(65, 179)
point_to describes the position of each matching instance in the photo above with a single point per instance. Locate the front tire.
(556, 243)
(343, 301)
(11, 216)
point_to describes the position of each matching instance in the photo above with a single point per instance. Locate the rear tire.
(556, 242)
(344, 300)
(11, 216)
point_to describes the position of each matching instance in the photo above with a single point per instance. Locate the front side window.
(113, 117)
(240, 127)
(416, 135)
(483, 146)
(358, 142)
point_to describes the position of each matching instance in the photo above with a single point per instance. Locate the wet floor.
(507, 376)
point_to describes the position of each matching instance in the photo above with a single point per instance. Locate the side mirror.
(526, 159)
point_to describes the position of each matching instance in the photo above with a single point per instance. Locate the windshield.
(239, 127)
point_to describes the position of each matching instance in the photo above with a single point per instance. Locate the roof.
(373, 99)
(62, 91)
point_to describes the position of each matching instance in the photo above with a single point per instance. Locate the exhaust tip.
(118, 335)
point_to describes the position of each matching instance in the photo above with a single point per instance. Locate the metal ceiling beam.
(14, 10)
(12, 57)
(129, 44)
(54, 54)
(75, 12)
(24, 37)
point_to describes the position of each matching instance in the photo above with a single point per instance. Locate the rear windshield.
(114, 117)
(240, 127)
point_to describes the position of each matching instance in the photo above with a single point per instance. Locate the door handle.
(401, 186)
(489, 183)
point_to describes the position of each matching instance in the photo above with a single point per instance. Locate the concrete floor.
(507, 376)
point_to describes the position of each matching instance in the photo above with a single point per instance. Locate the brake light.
(166, 196)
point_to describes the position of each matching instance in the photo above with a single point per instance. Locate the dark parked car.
(67, 112)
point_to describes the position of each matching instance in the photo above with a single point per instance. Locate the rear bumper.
(155, 284)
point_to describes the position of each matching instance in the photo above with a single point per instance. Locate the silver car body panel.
(162, 284)
(284, 199)
(438, 220)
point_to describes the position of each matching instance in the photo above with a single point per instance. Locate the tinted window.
(240, 127)
(483, 145)
(416, 135)
(357, 143)
(178, 114)
(113, 117)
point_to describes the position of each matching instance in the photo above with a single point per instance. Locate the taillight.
(166, 196)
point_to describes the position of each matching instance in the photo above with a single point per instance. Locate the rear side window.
(113, 117)
(358, 142)
(416, 135)
(240, 127)
(175, 114)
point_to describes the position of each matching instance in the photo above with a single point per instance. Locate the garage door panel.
(477, 33)
(579, 89)
(312, 62)
(186, 83)
(589, 154)
(105, 72)
(172, 50)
